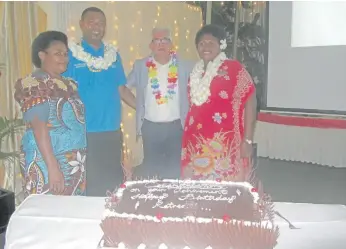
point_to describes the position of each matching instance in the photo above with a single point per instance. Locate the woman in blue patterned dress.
(54, 143)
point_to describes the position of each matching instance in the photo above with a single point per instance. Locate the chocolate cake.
(187, 214)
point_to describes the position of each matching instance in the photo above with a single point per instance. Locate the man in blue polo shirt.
(98, 70)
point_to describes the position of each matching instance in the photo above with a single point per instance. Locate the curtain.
(58, 14)
(20, 23)
(2, 169)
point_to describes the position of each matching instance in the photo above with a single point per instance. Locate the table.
(56, 222)
(303, 144)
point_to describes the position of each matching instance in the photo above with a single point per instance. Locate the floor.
(298, 182)
(301, 182)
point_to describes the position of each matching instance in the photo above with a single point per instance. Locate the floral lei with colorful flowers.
(172, 79)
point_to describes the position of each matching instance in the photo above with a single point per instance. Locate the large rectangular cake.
(187, 214)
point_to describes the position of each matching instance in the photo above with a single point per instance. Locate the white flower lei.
(223, 44)
(98, 63)
(200, 86)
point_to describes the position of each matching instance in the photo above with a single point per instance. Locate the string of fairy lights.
(183, 24)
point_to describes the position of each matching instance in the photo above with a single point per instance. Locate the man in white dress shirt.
(160, 81)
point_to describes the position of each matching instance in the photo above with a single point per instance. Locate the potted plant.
(8, 130)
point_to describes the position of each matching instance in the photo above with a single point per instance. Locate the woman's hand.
(56, 180)
(246, 150)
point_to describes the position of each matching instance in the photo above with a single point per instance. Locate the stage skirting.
(303, 139)
(56, 222)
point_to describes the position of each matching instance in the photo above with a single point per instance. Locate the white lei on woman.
(96, 63)
(199, 83)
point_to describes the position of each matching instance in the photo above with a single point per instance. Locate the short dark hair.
(92, 9)
(43, 41)
(217, 31)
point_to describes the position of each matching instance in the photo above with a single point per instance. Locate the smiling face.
(208, 47)
(93, 26)
(55, 58)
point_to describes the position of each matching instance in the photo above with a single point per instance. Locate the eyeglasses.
(163, 41)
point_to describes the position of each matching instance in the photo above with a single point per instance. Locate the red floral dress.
(213, 131)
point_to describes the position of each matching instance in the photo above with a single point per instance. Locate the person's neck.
(95, 44)
(163, 59)
(51, 73)
(205, 64)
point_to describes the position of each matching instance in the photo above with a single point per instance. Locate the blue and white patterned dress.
(56, 102)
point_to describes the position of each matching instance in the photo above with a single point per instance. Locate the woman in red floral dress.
(219, 128)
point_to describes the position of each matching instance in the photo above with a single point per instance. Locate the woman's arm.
(250, 117)
(37, 116)
(249, 103)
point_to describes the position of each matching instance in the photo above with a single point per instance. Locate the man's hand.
(127, 96)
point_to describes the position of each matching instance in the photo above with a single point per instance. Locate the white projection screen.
(318, 24)
(307, 56)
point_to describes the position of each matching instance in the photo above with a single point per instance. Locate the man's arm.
(127, 96)
(125, 93)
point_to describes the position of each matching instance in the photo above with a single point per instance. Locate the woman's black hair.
(218, 32)
(43, 41)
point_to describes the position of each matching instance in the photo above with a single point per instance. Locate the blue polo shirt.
(98, 90)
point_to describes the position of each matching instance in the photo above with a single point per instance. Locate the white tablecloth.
(303, 144)
(55, 222)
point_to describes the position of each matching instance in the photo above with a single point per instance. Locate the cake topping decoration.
(121, 246)
(163, 246)
(111, 199)
(226, 218)
(253, 190)
(159, 216)
(123, 185)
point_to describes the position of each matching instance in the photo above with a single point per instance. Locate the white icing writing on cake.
(229, 199)
(137, 205)
(149, 196)
(171, 205)
(185, 192)
(188, 188)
